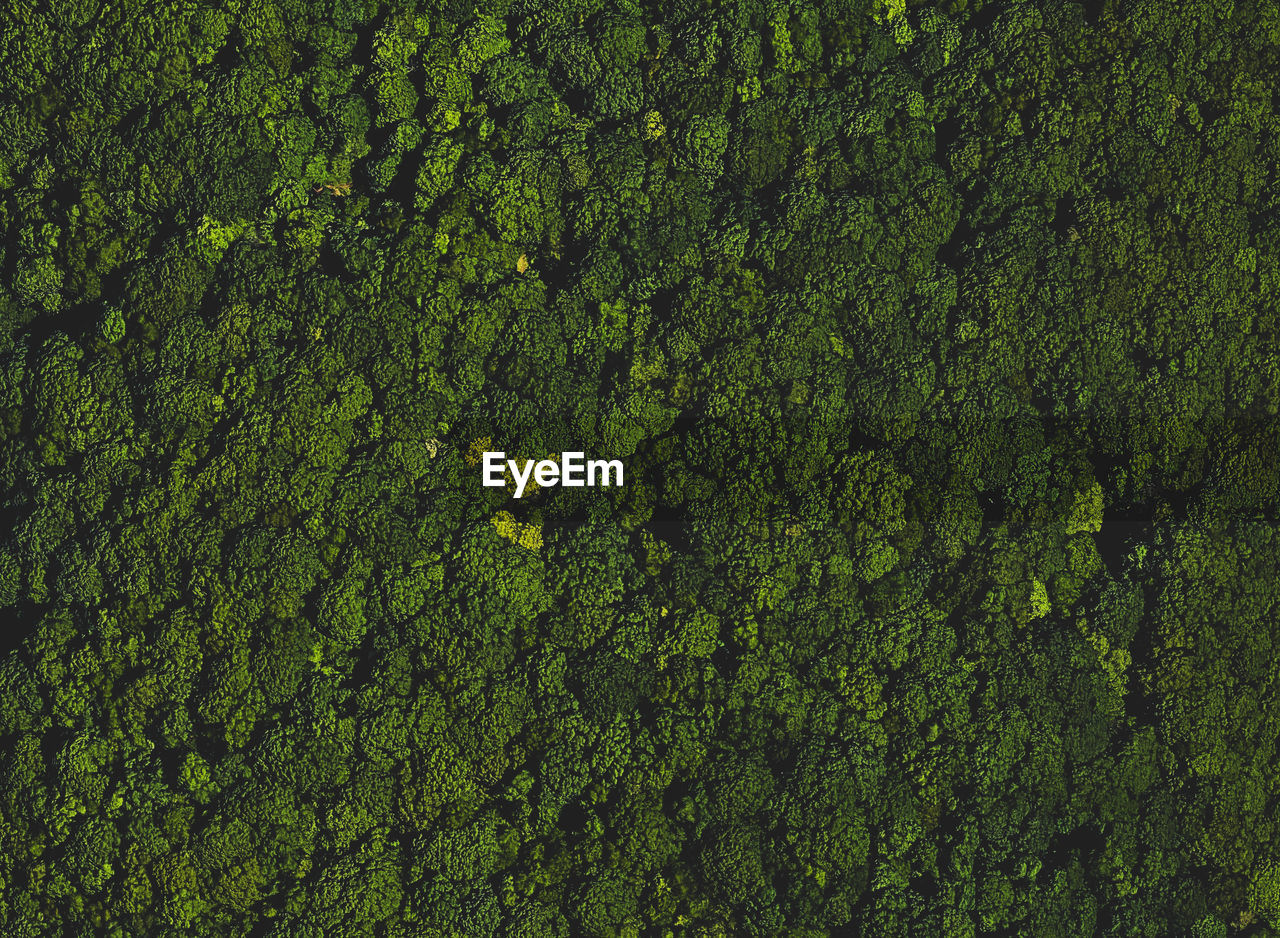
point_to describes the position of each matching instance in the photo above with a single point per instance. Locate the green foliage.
(938, 342)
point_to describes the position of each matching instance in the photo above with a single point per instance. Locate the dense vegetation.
(939, 341)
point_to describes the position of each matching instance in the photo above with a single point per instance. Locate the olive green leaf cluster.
(939, 341)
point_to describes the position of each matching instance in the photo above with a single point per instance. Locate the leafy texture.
(940, 345)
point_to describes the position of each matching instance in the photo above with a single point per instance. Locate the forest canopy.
(939, 341)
